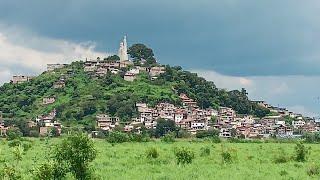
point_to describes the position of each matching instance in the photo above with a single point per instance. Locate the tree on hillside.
(260, 111)
(140, 51)
(112, 58)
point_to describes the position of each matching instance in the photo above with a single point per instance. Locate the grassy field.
(129, 161)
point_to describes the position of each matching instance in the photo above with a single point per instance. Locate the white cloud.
(224, 81)
(4, 75)
(303, 110)
(297, 93)
(21, 51)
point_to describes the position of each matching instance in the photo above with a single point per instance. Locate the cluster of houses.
(99, 68)
(191, 118)
(46, 123)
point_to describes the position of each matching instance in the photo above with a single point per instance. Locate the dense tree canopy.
(141, 52)
(112, 58)
(164, 126)
(207, 94)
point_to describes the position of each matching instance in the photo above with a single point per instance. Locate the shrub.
(168, 138)
(34, 133)
(54, 132)
(9, 172)
(26, 146)
(283, 173)
(215, 139)
(204, 151)
(48, 170)
(281, 157)
(99, 135)
(209, 133)
(139, 138)
(76, 152)
(301, 152)
(14, 143)
(13, 133)
(117, 137)
(184, 155)
(313, 169)
(152, 153)
(12, 171)
(226, 155)
(183, 134)
(312, 137)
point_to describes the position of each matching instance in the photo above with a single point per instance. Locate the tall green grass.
(129, 160)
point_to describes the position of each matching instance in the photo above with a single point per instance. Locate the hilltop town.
(188, 115)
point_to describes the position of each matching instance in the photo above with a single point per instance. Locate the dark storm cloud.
(232, 37)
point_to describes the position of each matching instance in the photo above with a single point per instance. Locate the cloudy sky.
(272, 48)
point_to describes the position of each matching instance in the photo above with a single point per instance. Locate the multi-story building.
(52, 67)
(106, 122)
(20, 79)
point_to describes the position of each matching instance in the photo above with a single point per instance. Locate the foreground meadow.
(129, 160)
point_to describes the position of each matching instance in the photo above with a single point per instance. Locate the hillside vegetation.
(84, 96)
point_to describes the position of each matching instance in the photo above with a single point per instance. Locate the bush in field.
(301, 152)
(49, 170)
(283, 173)
(26, 146)
(13, 133)
(226, 155)
(204, 151)
(313, 170)
(11, 171)
(183, 134)
(168, 138)
(117, 137)
(100, 135)
(215, 139)
(54, 132)
(139, 138)
(14, 143)
(34, 133)
(312, 137)
(209, 133)
(152, 153)
(281, 157)
(76, 151)
(184, 156)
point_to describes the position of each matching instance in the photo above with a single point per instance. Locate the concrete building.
(106, 122)
(129, 76)
(20, 79)
(52, 67)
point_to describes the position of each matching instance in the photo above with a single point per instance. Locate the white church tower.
(123, 54)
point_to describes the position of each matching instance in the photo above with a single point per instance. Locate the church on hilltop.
(123, 53)
(123, 50)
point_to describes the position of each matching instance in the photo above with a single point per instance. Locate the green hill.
(84, 95)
